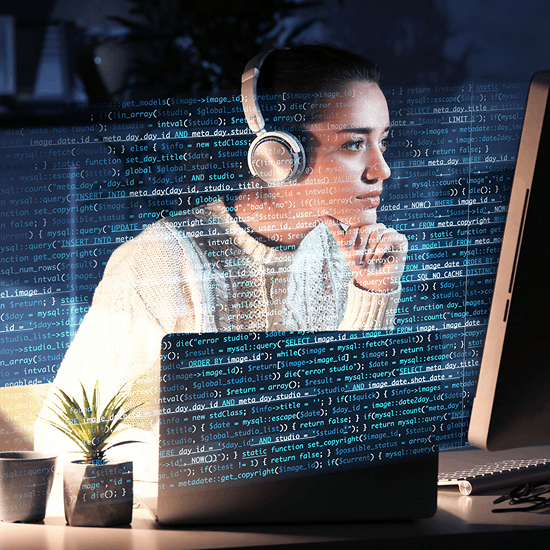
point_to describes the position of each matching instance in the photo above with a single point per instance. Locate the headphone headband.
(275, 157)
(249, 85)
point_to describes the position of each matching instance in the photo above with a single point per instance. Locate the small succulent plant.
(84, 424)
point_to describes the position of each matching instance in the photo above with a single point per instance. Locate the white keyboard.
(497, 475)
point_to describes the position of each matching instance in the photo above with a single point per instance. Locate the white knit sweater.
(202, 272)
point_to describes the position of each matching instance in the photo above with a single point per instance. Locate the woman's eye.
(354, 145)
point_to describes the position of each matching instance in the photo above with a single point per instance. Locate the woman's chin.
(357, 219)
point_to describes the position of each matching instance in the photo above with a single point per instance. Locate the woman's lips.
(371, 201)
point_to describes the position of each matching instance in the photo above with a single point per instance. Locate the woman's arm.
(368, 310)
(141, 297)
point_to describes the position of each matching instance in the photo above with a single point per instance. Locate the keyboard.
(497, 475)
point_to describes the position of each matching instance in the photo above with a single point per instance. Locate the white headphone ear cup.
(276, 157)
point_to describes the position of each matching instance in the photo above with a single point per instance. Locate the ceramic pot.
(98, 495)
(26, 479)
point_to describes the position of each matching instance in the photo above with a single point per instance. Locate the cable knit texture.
(202, 272)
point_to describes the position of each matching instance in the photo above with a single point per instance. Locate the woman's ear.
(310, 144)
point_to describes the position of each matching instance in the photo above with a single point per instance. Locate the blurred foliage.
(412, 42)
(185, 46)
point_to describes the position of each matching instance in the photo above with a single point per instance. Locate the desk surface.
(458, 519)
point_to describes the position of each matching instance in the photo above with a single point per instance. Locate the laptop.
(286, 427)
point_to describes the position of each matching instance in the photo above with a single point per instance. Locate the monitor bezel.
(524, 423)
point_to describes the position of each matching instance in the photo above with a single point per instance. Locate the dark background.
(180, 46)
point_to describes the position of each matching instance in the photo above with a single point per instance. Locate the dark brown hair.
(315, 68)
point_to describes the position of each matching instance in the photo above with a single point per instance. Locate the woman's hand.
(375, 254)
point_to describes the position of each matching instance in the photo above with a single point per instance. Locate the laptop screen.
(250, 407)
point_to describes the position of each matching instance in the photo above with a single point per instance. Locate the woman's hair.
(315, 70)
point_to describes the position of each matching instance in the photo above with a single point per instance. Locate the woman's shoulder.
(167, 237)
(167, 228)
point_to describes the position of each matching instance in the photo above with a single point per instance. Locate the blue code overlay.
(249, 407)
(76, 183)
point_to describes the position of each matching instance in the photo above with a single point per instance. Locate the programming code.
(75, 185)
(243, 407)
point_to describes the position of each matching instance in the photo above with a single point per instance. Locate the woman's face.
(347, 163)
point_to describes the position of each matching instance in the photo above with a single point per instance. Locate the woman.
(306, 255)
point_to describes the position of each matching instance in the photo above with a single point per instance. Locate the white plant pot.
(98, 495)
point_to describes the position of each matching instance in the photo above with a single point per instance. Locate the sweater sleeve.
(367, 310)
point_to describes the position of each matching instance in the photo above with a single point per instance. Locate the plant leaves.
(87, 411)
(122, 443)
(84, 425)
(69, 434)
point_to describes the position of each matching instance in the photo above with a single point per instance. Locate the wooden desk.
(459, 521)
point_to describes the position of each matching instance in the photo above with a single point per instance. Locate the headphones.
(275, 157)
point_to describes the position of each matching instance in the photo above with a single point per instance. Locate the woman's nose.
(376, 169)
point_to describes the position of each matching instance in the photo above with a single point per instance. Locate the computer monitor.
(511, 407)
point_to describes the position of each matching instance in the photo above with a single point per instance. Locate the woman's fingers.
(358, 244)
(372, 244)
(361, 242)
(373, 249)
(375, 253)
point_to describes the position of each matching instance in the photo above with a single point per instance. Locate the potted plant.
(97, 492)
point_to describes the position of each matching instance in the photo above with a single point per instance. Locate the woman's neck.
(270, 213)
